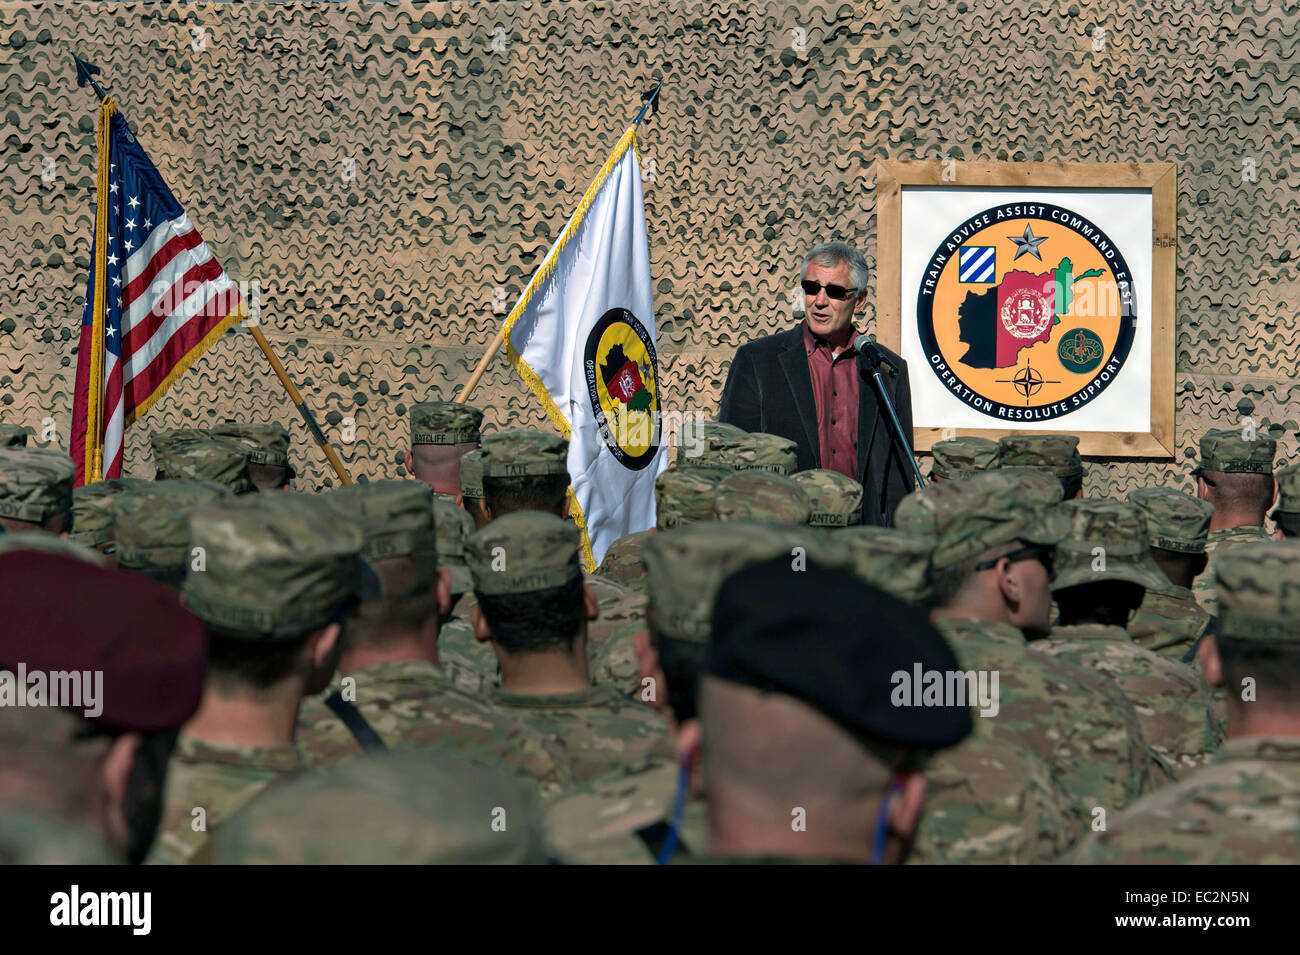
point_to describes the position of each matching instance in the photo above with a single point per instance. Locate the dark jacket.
(769, 389)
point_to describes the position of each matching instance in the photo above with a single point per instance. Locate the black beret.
(825, 637)
(66, 614)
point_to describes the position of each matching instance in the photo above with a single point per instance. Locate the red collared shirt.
(835, 383)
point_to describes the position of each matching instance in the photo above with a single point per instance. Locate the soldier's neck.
(545, 673)
(1227, 520)
(257, 719)
(395, 647)
(1245, 720)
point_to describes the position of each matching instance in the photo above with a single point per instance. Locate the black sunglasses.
(1044, 553)
(837, 292)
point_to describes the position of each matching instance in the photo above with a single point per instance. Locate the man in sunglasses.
(807, 384)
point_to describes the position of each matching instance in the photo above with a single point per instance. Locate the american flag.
(166, 300)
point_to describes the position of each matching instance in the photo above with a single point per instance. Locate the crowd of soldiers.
(429, 670)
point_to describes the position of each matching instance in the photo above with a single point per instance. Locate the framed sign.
(1032, 297)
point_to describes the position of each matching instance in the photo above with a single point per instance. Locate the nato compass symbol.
(1028, 243)
(1027, 381)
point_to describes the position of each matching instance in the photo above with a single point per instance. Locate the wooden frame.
(1159, 178)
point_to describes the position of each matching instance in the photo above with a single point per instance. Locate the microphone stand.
(871, 352)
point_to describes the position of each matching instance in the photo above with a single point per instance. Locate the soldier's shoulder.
(604, 819)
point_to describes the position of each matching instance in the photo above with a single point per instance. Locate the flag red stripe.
(144, 329)
(170, 249)
(139, 388)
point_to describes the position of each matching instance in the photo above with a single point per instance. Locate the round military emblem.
(623, 384)
(1026, 311)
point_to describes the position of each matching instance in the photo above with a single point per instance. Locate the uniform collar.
(966, 629)
(278, 759)
(1285, 749)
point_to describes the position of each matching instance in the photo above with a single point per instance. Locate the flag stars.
(148, 224)
(112, 187)
(117, 281)
(130, 223)
(112, 260)
(111, 331)
(133, 202)
(128, 245)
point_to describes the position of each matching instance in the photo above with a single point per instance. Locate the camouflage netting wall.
(472, 129)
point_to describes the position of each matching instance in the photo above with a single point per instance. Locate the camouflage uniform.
(1040, 485)
(622, 562)
(45, 543)
(188, 453)
(1229, 452)
(30, 836)
(445, 422)
(471, 475)
(711, 435)
(1169, 621)
(35, 484)
(961, 457)
(1244, 807)
(266, 444)
(454, 528)
(1059, 452)
(412, 704)
(836, 499)
(407, 808)
(1288, 497)
(1171, 701)
(277, 566)
(756, 451)
(1079, 723)
(600, 727)
(151, 526)
(761, 497)
(92, 518)
(13, 436)
(893, 560)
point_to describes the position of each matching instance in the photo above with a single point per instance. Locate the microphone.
(866, 346)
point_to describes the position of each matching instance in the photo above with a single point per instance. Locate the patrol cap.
(396, 519)
(152, 658)
(1175, 521)
(962, 456)
(266, 444)
(13, 436)
(1228, 451)
(684, 495)
(764, 497)
(890, 559)
(92, 518)
(35, 483)
(151, 525)
(836, 499)
(1039, 484)
(524, 452)
(706, 438)
(412, 807)
(1119, 530)
(1258, 596)
(523, 552)
(276, 566)
(686, 565)
(445, 422)
(1288, 490)
(49, 544)
(1060, 452)
(187, 453)
(834, 642)
(471, 474)
(757, 451)
(970, 516)
(454, 528)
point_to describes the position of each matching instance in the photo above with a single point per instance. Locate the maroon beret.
(60, 613)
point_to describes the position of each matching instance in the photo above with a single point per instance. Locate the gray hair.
(831, 254)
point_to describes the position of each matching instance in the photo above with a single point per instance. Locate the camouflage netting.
(381, 169)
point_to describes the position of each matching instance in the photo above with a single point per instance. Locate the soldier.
(986, 802)
(1103, 568)
(708, 437)
(279, 577)
(533, 608)
(805, 753)
(683, 495)
(394, 695)
(188, 453)
(13, 436)
(454, 527)
(471, 487)
(763, 497)
(1059, 452)
(755, 451)
(625, 816)
(1287, 513)
(36, 490)
(266, 446)
(1244, 807)
(82, 778)
(988, 588)
(403, 808)
(1235, 474)
(442, 432)
(151, 526)
(1170, 621)
(961, 457)
(92, 516)
(836, 499)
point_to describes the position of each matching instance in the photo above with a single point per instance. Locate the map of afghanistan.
(1021, 310)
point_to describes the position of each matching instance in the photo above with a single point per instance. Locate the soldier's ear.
(409, 463)
(114, 780)
(1273, 503)
(442, 590)
(592, 605)
(1207, 654)
(481, 629)
(322, 644)
(905, 809)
